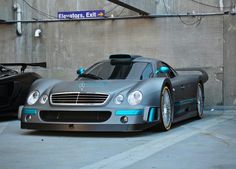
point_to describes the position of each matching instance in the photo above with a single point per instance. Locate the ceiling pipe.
(18, 10)
(37, 33)
(221, 4)
(119, 18)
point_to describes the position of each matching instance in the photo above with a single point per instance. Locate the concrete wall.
(51, 7)
(69, 45)
(230, 60)
(188, 6)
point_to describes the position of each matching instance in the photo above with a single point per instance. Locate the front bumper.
(87, 127)
(31, 119)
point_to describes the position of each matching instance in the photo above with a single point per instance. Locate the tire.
(166, 110)
(200, 100)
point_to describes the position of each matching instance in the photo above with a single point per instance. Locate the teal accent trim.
(164, 69)
(129, 112)
(151, 114)
(29, 111)
(187, 101)
(180, 111)
(81, 71)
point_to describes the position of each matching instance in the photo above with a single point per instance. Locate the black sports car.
(123, 93)
(14, 86)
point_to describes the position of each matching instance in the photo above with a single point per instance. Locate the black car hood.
(94, 86)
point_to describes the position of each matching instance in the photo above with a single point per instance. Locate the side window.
(171, 73)
(147, 73)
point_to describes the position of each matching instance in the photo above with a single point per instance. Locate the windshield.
(108, 70)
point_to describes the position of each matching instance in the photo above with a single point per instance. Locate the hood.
(94, 86)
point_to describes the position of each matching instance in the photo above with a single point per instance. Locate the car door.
(180, 90)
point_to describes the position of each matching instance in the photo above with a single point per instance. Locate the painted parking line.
(222, 138)
(157, 144)
(3, 127)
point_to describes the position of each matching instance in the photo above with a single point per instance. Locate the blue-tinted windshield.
(109, 70)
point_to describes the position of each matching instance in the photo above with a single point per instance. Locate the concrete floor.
(209, 143)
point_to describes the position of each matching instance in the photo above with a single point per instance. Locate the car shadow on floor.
(7, 118)
(182, 123)
(85, 134)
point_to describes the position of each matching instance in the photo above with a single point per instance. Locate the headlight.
(33, 97)
(135, 98)
(43, 99)
(119, 99)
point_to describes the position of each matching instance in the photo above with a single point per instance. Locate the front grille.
(77, 98)
(75, 116)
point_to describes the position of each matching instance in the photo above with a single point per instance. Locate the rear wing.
(24, 65)
(204, 73)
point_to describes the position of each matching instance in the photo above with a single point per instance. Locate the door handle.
(182, 87)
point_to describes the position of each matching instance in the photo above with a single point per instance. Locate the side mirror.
(80, 71)
(163, 69)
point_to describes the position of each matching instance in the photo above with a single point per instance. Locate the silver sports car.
(123, 93)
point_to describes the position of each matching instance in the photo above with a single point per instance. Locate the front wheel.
(166, 107)
(200, 101)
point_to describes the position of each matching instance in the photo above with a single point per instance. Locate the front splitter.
(87, 127)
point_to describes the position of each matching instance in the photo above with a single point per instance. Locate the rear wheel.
(200, 101)
(166, 109)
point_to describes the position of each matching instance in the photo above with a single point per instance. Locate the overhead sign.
(81, 14)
